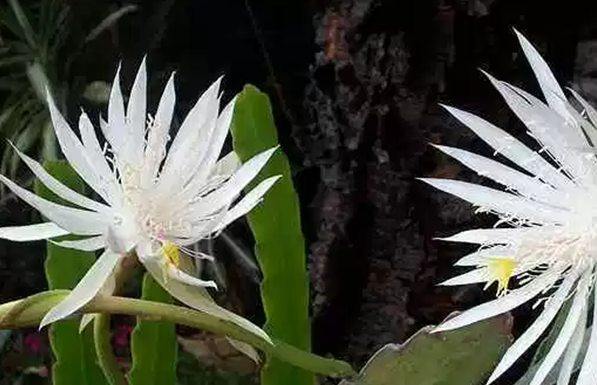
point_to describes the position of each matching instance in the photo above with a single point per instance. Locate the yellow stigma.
(500, 270)
(170, 252)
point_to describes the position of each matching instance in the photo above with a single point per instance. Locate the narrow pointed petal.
(554, 133)
(569, 136)
(88, 244)
(74, 151)
(193, 124)
(533, 332)
(588, 370)
(215, 146)
(157, 137)
(506, 176)
(551, 89)
(500, 202)
(73, 220)
(491, 236)
(591, 113)
(224, 195)
(114, 130)
(248, 202)
(474, 276)
(95, 154)
(502, 304)
(32, 232)
(136, 113)
(573, 350)
(58, 188)
(579, 303)
(178, 169)
(227, 165)
(512, 148)
(480, 256)
(85, 290)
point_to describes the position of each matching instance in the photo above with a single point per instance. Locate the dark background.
(355, 86)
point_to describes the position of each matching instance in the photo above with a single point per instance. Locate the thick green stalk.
(29, 311)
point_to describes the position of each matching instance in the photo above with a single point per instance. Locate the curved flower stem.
(29, 311)
(103, 349)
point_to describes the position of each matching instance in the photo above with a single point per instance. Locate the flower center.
(500, 270)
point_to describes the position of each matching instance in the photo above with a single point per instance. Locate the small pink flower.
(33, 342)
(122, 334)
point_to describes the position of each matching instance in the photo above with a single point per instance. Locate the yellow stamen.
(501, 269)
(170, 252)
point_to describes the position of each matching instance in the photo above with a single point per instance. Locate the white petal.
(480, 256)
(491, 236)
(114, 130)
(512, 148)
(200, 229)
(196, 297)
(502, 304)
(95, 154)
(533, 332)
(473, 276)
(74, 151)
(204, 105)
(193, 137)
(157, 137)
(555, 352)
(548, 83)
(227, 165)
(248, 202)
(73, 220)
(570, 138)
(512, 179)
(216, 143)
(591, 113)
(117, 243)
(549, 129)
(224, 195)
(58, 188)
(573, 350)
(85, 290)
(32, 232)
(500, 202)
(588, 371)
(188, 279)
(136, 114)
(87, 244)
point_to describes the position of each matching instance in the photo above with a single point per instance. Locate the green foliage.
(153, 343)
(38, 49)
(458, 357)
(75, 360)
(279, 242)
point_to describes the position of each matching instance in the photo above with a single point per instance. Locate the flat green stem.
(103, 348)
(29, 311)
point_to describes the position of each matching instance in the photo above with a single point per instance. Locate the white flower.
(157, 202)
(549, 203)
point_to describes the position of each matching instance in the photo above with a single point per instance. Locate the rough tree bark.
(370, 110)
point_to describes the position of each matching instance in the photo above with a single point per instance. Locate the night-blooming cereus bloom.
(546, 236)
(156, 202)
